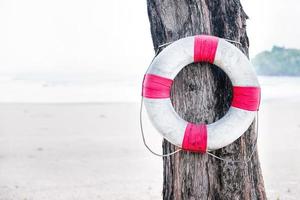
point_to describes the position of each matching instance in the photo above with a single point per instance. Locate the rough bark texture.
(202, 93)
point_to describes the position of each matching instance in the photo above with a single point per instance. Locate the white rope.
(178, 150)
(233, 41)
(168, 43)
(143, 136)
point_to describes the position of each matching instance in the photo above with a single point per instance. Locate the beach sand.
(95, 151)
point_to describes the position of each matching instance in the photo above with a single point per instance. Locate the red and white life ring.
(201, 137)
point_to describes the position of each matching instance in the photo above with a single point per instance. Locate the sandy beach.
(94, 151)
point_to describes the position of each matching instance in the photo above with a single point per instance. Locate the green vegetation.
(279, 61)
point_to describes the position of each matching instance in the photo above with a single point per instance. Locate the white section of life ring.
(235, 64)
(173, 125)
(173, 58)
(229, 128)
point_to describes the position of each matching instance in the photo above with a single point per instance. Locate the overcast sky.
(112, 36)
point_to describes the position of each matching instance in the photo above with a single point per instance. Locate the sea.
(105, 87)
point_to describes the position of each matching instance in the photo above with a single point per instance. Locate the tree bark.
(202, 93)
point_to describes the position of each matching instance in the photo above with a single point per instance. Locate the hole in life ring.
(201, 93)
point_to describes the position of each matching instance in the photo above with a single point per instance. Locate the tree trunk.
(202, 93)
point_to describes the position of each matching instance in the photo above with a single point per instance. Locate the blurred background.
(70, 82)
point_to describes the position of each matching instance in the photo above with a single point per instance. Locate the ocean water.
(64, 88)
(105, 87)
(280, 88)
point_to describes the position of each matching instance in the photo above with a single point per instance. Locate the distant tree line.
(279, 61)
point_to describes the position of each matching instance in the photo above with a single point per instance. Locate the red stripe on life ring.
(195, 138)
(205, 48)
(246, 98)
(156, 87)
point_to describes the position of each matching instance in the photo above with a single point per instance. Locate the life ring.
(201, 137)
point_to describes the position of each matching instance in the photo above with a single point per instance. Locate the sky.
(272, 22)
(92, 36)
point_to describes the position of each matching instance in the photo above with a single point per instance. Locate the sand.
(94, 151)
(279, 135)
